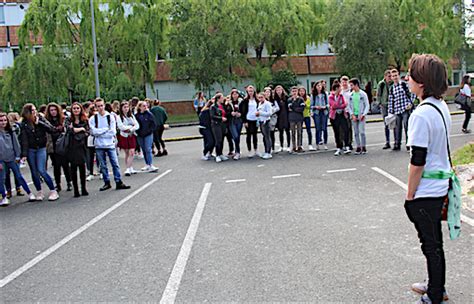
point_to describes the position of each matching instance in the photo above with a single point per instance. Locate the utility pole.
(94, 45)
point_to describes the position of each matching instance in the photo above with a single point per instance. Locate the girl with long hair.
(55, 117)
(248, 110)
(235, 120)
(33, 148)
(264, 112)
(338, 117)
(268, 93)
(307, 116)
(320, 109)
(147, 124)
(78, 125)
(218, 119)
(283, 124)
(465, 90)
(127, 140)
(9, 159)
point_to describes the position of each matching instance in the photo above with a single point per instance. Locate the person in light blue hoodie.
(358, 109)
(264, 112)
(320, 109)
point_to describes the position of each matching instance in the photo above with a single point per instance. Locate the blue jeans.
(307, 123)
(13, 166)
(321, 122)
(146, 143)
(37, 162)
(236, 131)
(101, 156)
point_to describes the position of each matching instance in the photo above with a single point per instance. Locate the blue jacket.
(147, 123)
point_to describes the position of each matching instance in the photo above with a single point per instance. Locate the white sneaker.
(224, 158)
(205, 157)
(251, 154)
(347, 150)
(53, 195)
(133, 171)
(338, 152)
(317, 147)
(278, 150)
(146, 168)
(31, 197)
(218, 159)
(127, 172)
(325, 147)
(89, 177)
(290, 149)
(259, 154)
(5, 202)
(101, 176)
(265, 156)
(237, 156)
(153, 168)
(311, 148)
(40, 196)
(208, 155)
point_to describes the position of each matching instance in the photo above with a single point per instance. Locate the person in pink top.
(338, 118)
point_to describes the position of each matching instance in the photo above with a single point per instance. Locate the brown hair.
(27, 113)
(429, 70)
(122, 104)
(58, 109)
(8, 127)
(82, 114)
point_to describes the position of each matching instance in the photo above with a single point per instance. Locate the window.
(456, 78)
(2, 15)
(16, 52)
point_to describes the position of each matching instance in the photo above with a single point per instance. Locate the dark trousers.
(158, 138)
(425, 214)
(228, 136)
(208, 140)
(402, 123)
(349, 133)
(467, 116)
(267, 141)
(218, 132)
(82, 174)
(90, 160)
(272, 137)
(307, 123)
(252, 131)
(282, 132)
(341, 130)
(58, 163)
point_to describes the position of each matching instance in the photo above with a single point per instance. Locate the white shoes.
(266, 156)
(311, 148)
(218, 159)
(127, 172)
(278, 150)
(31, 197)
(89, 177)
(39, 196)
(236, 156)
(53, 195)
(153, 169)
(338, 152)
(325, 147)
(133, 171)
(251, 154)
(224, 158)
(347, 150)
(205, 157)
(5, 202)
(146, 168)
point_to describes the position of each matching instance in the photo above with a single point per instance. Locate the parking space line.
(76, 233)
(464, 218)
(285, 176)
(171, 290)
(235, 180)
(341, 170)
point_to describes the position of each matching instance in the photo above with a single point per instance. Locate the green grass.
(465, 155)
(173, 119)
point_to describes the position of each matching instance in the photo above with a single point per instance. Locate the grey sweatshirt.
(9, 147)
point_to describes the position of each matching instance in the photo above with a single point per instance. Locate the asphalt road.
(280, 230)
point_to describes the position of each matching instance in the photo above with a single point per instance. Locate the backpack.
(452, 205)
(96, 120)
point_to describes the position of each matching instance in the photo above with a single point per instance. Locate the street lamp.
(94, 45)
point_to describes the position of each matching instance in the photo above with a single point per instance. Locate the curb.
(194, 137)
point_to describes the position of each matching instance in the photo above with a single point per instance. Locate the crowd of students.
(74, 138)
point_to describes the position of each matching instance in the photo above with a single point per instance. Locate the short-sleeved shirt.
(426, 130)
(466, 90)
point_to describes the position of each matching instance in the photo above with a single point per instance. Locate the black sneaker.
(106, 186)
(396, 148)
(84, 192)
(165, 152)
(364, 150)
(358, 151)
(408, 149)
(121, 186)
(387, 146)
(158, 154)
(69, 187)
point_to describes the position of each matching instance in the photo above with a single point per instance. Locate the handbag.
(451, 211)
(460, 99)
(62, 144)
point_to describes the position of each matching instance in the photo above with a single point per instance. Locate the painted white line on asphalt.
(235, 180)
(341, 170)
(169, 295)
(285, 176)
(464, 218)
(74, 234)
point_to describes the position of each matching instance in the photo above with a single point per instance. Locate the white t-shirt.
(426, 130)
(466, 90)
(252, 110)
(347, 96)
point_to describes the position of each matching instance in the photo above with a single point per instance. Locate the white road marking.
(74, 234)
(285, 176)
(341, 170)
(169, 295)
(235, 180)
(464, 218)
(260, 166)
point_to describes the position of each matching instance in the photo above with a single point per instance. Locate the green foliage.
(465, 155)
(285, 78)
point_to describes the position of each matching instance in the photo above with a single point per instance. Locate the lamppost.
(94, 46)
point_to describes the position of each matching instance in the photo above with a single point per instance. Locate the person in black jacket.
(283, 125)
(218, 119)
(205, 129)
(55, 116)
(228, 108)
(33, 148)
(296, 107)
(147, 123)
(78, 125)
